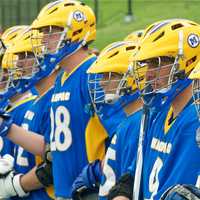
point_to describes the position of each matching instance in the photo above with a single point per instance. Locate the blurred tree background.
(113, 23)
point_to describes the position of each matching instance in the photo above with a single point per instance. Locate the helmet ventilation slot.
(159, 36)
(69, 4)
(130, 48)
(114, 54)
(176, 26)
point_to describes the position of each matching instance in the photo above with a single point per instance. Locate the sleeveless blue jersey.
(17, 111)
(36, 119)
(69, 120)
(121, 152)
(172, 156)
(111, 115)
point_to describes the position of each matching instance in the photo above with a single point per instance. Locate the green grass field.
(111, 26)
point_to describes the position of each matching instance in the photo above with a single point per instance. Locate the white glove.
(6, 164)
(9, 182)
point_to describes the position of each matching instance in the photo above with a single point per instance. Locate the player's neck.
(71, 62)
(133, 107)
(19, 97)
(181, 100)
(43, 85)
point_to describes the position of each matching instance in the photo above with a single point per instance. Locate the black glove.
(123, 187)
(44, 169)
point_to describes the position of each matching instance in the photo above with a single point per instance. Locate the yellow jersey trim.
(95, 138)
(66, 75)
(22, 102)
(167, 124)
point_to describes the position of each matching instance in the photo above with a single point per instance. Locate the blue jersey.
(72, 142)
(172, 153)
(121, 152)
(36, 119)
(17, 112)
(111, 115)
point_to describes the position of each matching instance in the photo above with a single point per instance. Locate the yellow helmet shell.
(9, 36)
(75, 17)
(23, 42)
(170, 38)
(135, 36)
(114, 58)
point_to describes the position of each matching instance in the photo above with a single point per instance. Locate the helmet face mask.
(110, 80)
(107, 87)
(9, 37)
(167, 53)
(49, 39)
(23, 65)
(155, 74)
(2, 49)
(196, 95)
(5, 81)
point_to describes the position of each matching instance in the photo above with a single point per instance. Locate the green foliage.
(111, 25)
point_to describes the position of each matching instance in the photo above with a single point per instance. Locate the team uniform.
(17, 112)
(111, 115)
(121, 152)
(172, 153)
(37, 120)
(75, 138)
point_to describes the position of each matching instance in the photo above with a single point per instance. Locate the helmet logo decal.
(193, 40)
(78, 16)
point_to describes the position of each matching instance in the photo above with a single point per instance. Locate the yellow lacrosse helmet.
(19, 57)
(114, 58)
(77, 19)
(113, 61)
(22, 43)
(172, 38)
(9, 36)
(134, 36)
(167, 53)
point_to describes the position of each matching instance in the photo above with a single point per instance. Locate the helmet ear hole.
(159, 36)
(68, 4)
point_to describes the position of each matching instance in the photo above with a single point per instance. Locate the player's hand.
(5, 123)
(9, 181)
(6, 165)
(88, 180)
(182, 192)
(44, 173)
